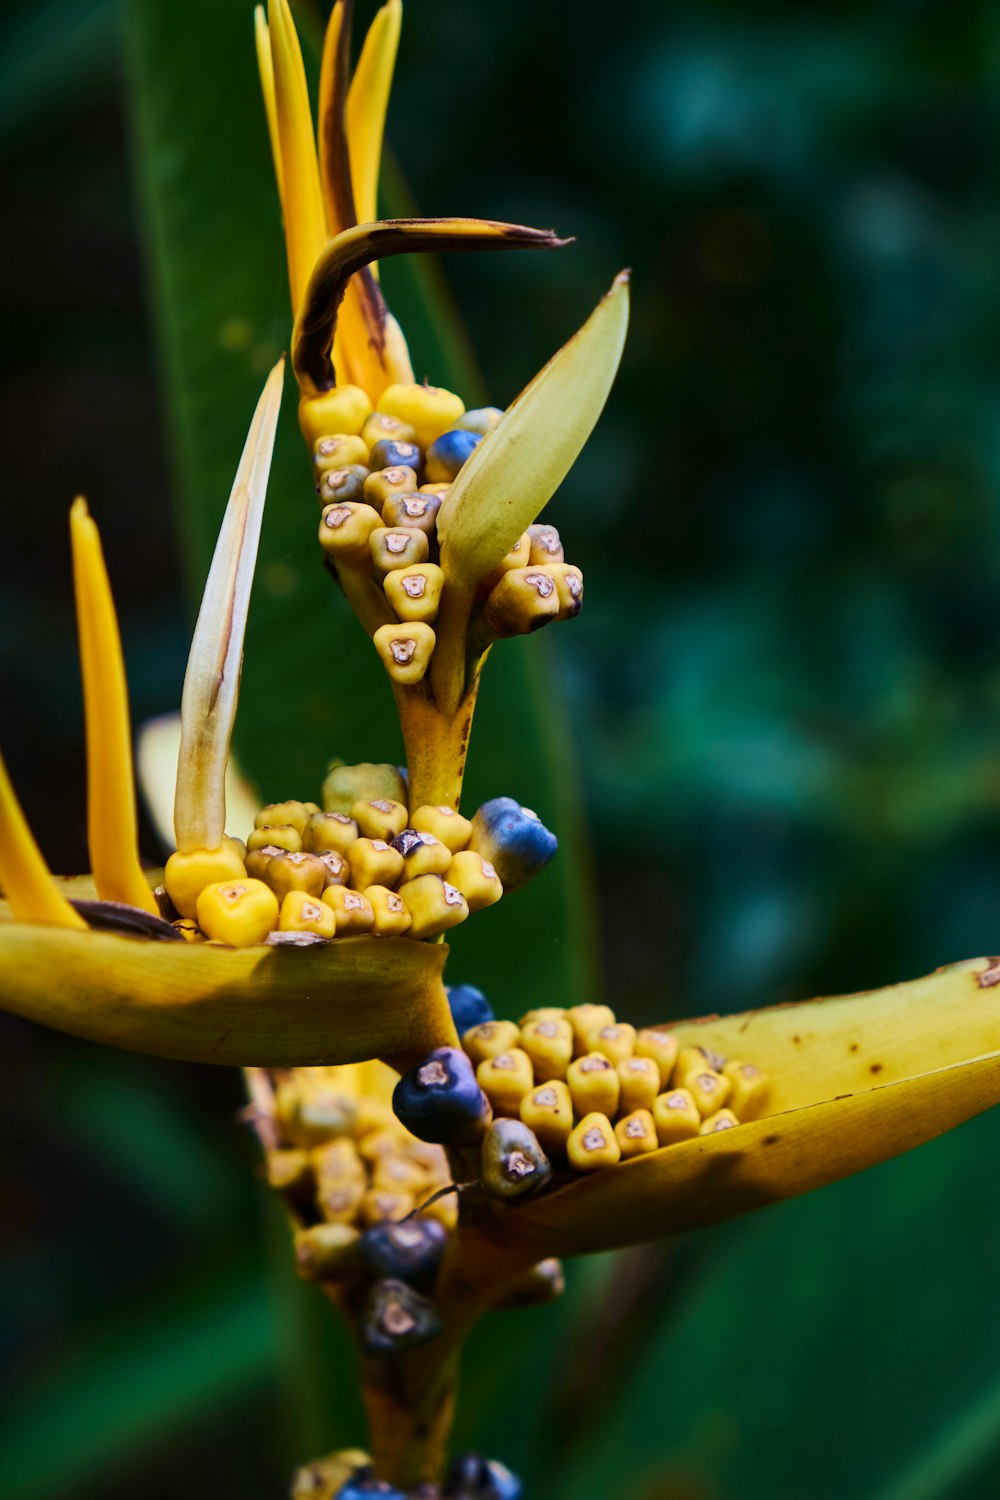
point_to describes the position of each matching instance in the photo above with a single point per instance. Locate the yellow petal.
(346, 1001)
(211, 683)
(926, 1059)
(112, 833)
(354, 249)
(265, 67)
(302, 197)
(520, 464)
(32, 893)
(334, 158)
(367, 102)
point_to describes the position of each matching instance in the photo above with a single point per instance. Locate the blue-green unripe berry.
(514, 840)
(396, 1317)
(469, 1007)
(388, 455)
(440, 1100)
(409, 1252)
(472, 1477)
(513, 1161)
(448, 453)
(363, 1484)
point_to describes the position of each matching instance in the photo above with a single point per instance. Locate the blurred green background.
(775, 766)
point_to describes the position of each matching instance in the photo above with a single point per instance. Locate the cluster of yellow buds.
(382, 477)
(360, 863)
(594, 1091)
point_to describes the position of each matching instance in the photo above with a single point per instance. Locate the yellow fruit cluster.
(306, 874)
(382, 478)
(595, 1091)
(345, 1164)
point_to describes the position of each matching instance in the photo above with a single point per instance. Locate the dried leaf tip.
(211, 683)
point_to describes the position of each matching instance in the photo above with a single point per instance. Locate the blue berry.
(469, 1006)
(440, 1100)
(363, 1484)
(395, 1317)
(514, 840)
(472, 1477)
(448, 453)
(408, 1252)
(388, 455)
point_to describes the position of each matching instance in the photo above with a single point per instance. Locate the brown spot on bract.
(875, 1068)
(797, 1041)
(853, 1047)
(770, 1140)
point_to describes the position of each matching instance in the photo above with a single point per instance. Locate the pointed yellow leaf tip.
(211, 683)
(265, 67)
(520, 464)
(30, 890)
(367, 103)
(112, 832)
(302, 197)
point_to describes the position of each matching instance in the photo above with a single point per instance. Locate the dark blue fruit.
(440, 1101)
(469, 1007)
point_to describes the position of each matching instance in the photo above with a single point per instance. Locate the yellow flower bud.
(337, 1162)
(505, 1079)
(723, 1119)
(391, 1139)
(398, 479)
(547, 1109)
(380, 427)
(517, 557)
(676, 1117)
(374, 862)
(329, 831)
(338, 450)
(336, 870)
(661, 1046)
(345, 785)
(429, 410)
(379, 817)
(391, 917)
(340, 1202)
(352, 910)
(280, 836)
(189, 871)
(237, 912)
(445, 823)
(592, 1144)
(640, 1083)
(422, 854)
(594, 1084)
(415, 593)
(545, 1013)
(549, 1044)
(289, 1171)
(696, 1057)
(586, 1018)
(523, 600)
(636, 1134)
(295, 872)
(405, 650)
(343, 409)
(749, 1088)
(417, 510)
(257, 861)
(304, 913)
(433, 904)
(381, 1207)
(489, 1039)
(325, 1252)
(569, 587)
(395, 1173)
(476, 878)
(395, 547)
(344, 530)
(283, 814)
(545, 545)
(708, 1089)
(617, 1041)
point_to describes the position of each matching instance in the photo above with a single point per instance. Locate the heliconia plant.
(436, 1162)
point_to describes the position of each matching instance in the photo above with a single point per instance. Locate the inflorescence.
(382, 476)
(363, 862)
